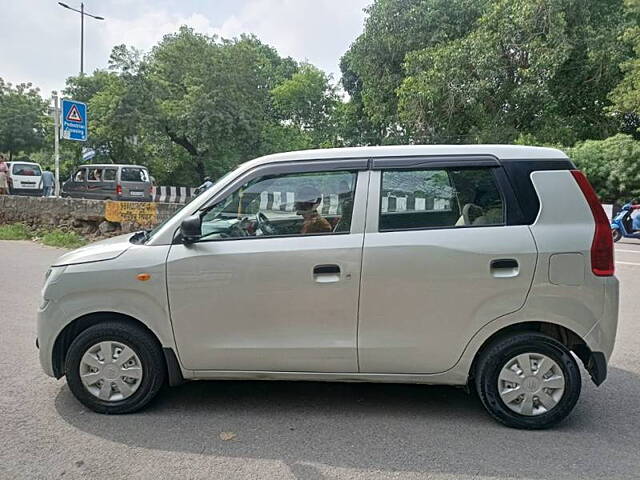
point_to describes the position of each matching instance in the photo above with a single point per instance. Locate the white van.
(25, 178)
(422, 264)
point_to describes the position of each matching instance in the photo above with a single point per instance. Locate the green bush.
(612, 166)
(15, 231)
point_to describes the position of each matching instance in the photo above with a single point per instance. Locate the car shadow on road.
(378, 426)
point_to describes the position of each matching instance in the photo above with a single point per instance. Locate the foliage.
(22, 118)
(14, 231)
(308, 101)
(372, 69)
(626, 95)
(612, 166)
(430, 71)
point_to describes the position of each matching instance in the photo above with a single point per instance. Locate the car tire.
(528, 397)
(133, 384)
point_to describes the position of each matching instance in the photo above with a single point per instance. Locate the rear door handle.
(326, 273)
(504, 267)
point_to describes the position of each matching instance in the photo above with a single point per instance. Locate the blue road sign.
(74, 120)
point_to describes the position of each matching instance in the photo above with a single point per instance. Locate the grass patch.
(53, 238)
(14, 231)
(60, 238)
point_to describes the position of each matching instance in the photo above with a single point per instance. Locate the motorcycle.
(621, 225)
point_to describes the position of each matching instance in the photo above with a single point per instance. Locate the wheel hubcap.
(531, 384)
(111, 371)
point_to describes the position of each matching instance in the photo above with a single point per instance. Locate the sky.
(40, 40)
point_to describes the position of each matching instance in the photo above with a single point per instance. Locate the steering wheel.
(264, 224)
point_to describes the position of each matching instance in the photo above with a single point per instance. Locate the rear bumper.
(32, 192)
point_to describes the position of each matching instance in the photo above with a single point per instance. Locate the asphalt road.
(288, 430)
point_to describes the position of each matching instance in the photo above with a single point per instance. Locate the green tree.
(308, 101)
(23, 115)
(212, 98)
(481, 71)
(372, 68)
(626, 95)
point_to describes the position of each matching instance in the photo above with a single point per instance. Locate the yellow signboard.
(142, 213)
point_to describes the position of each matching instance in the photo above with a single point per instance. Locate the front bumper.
(47, 332)
(30, 192)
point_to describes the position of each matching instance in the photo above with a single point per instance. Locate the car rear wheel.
(528, 380)
(114, 367)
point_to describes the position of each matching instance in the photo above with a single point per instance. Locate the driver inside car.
(307, 200)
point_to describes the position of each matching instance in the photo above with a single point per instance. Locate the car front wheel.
(115, 367)
(528, 380)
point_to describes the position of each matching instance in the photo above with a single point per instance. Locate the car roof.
(501, 152)
(24, 163)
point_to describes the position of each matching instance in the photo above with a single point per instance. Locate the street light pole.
(82, 15)
(81, 39)
(56, 142)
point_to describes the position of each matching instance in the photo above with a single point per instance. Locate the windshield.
(26, 170)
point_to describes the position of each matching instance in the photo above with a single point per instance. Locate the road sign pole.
(56, 141)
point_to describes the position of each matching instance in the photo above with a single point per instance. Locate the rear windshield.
(26, 170)
(132, 174)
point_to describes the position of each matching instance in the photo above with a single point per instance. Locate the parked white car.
(447, 265)
(25, 178)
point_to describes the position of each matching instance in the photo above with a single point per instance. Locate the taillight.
(119, 189)
(602, 263)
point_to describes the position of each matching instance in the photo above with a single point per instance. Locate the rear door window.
(419, 199)
(109, 175)
(94, 175)
(133, 174)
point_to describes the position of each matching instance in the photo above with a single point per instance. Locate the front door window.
(319, 203)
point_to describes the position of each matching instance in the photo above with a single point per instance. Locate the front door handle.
(504, 267)
(326, 273)
(326, 269)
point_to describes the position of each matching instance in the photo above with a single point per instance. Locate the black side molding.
(174, 373)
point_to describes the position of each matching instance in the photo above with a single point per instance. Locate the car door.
(76, 186)
(270, 286)
(94, 183)
(440, 261)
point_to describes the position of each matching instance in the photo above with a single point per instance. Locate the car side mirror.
(191, 229)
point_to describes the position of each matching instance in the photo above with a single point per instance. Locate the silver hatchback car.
(482, 266)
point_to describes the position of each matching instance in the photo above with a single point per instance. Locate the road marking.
(627, 251)
(628, 263)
